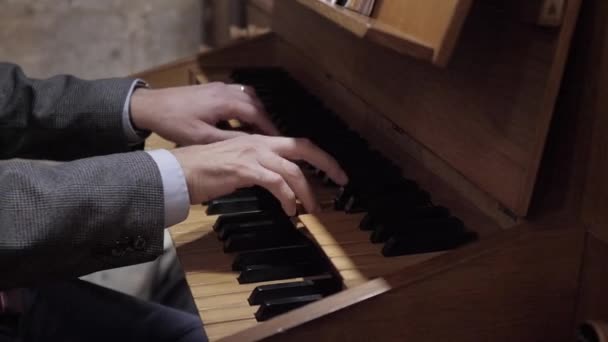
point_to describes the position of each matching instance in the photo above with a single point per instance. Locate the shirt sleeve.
(133, 136)
(177, 199)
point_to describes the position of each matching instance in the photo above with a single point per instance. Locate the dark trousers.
(80, 311)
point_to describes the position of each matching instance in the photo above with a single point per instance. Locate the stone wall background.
(97, 38)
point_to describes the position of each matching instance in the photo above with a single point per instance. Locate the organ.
(474, 210)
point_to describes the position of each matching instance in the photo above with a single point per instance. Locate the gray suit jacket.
(73, 218)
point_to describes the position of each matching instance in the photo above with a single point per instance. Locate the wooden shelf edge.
(373, 30)
(442, 56)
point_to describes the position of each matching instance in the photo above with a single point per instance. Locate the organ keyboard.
(429, 240)
(378, 215)
(380, 223)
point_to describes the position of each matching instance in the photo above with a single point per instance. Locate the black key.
(270, 224)
(355, 204)
(264, 272)
(329, 182)
(319, 173)
(415, 242)
(368, 222)
(234, 204)
(285, 255)
(368, 198)
(238, 193)
(390, 186)
(392, 206)
(430, 227)
(385, 226)
(262, 240)
(238, 218)
(343, 196)
(244, 200)
(223, 125)
(272, 308)
(323, 286)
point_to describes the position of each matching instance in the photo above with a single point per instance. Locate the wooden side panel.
(595, 100)
(486, 115)
(591, 56)
(574, 165)
(593, 303)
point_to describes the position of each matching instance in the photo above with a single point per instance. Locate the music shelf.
(426, 30)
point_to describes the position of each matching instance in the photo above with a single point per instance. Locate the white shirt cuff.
(133, 138)
(177, 199)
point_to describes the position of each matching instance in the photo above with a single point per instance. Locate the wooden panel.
(400, 148)
(520, 286)
(487, 115)
(593, 302)
(580, 109)
(595, 100)
(590, 57)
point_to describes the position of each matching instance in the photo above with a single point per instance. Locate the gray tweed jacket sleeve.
(68, 219)
(60, 118)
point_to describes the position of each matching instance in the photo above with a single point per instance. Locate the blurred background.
(114, 38)
(95, 39)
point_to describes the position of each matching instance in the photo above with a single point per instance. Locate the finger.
(303, 149)
(253, 97)
(294, 177)
(216, 134)
(245, 94)
(243, 89)
(275, 183)
(203, 133)
(252, 115)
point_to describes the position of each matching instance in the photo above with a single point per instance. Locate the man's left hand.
(188, 115)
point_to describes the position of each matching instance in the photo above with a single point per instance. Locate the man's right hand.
(220, 168)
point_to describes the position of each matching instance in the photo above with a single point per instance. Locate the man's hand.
(188, 115)
(218, 169)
